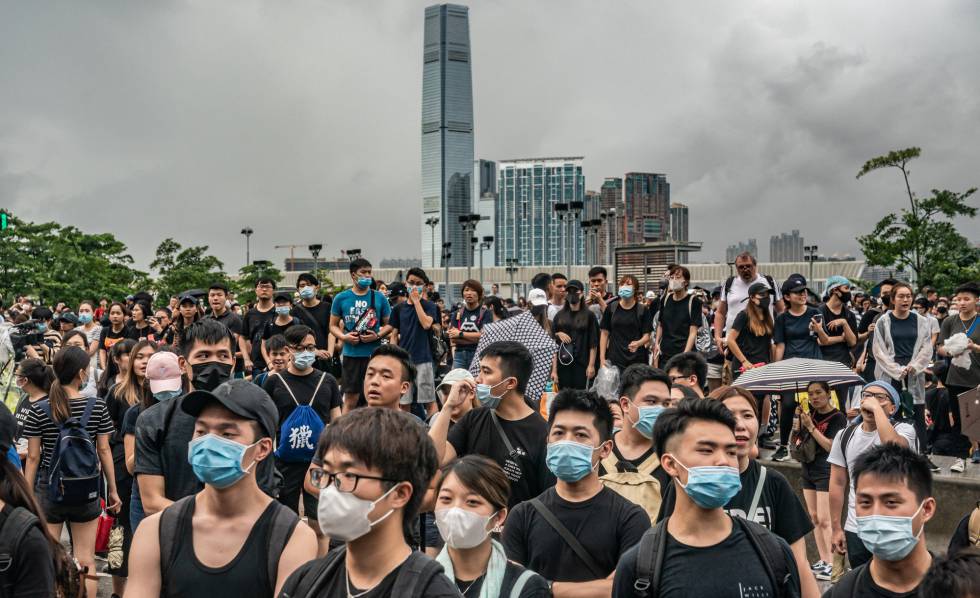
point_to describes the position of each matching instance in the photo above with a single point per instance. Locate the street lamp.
(561, 210)
(468, 222)
(315, 250)
(352, 254)
(484, 245)
(511, 270)
(589, 229)
(446, 254)
(811, 254)
(609, 216)
(431, 223)
(247, 231)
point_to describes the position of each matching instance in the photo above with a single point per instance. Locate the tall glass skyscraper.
(447, 133)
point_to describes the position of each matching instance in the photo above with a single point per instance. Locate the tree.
(56, 263)
(922, 237)
(184, 269)
(250, 274)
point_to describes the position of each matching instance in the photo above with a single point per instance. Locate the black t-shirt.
(607, 525)
(676, 321)
(471, 320)
(272, 328)
(904, 334)
(31, 572)
(535, 587)
(780, 510)
(757, 349)
(794, 331)
(659, 474)
(626, 326)
(829, 424)
(317, 318)
(582, 328)
(327, 397)
(865, 586)
(439, 586)
(526, 469)
(729, 569)
(839, 352)
(253, 324)
(108, 338)
(20, 414)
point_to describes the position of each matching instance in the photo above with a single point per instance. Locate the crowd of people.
(381, 442)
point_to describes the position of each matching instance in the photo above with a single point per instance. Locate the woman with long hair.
(118, 365)
(496, 307)
(576, 331)
(33, 377)
(814, 431)
(42, 430)
(77, 338)
(750, 339)
(115, 332)
(31, 570)
(471, 501)
(625, 327)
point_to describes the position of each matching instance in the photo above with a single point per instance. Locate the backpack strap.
(610, 464)
(289, 390)
(172, 519)
(519, 584)
(313, 578)
(323, 376)
(649, 465)
(758, 493)
(772, 283)
(844, 439)
(771, 555)
(281, 530)
(500, 430)
(15, 523)
(650, 560)
(568, 537)
(728, 287)
(415, 574)
(89, 407)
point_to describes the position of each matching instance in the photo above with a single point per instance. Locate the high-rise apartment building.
(610, 211)
(646, 202)
(528, 227)
(787, 247)
(733, 251)
(679, 223)
(447, 133)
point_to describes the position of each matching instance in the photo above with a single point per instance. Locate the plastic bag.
(607, 382)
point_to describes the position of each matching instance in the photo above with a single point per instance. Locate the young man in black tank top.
(230, 539)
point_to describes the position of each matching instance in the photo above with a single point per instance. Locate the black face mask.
(574, 298)
(210, 374)
(844, 297)
(764, 304)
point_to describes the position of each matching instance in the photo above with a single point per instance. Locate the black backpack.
(75, 472)
(767, 546)
(731, 280)
(15, 523)
(414, 577)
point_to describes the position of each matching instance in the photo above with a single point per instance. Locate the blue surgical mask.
(570, 461)
(84, 318)
(217, 461)
(165, 395)
(888, 537)
(711, 486)
(282, 310)
(648, 417)
(308, 292)
(42, 327)
(364, 282)
(626, 292)
(303, 360)
(484, 394)
(616, 429)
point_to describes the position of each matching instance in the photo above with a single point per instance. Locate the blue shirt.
(350, 307)
(794, 331)
(411, 336)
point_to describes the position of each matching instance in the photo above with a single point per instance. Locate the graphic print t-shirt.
(365, 311)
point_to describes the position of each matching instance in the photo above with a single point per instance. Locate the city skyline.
(301, 120)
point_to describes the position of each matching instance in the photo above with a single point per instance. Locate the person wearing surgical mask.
(472, 501)
(644, 393)
(503, 428)
(704, 550)
(230, 538)
(314, 311)
(625, 327)
(678, 317)
(894, 502)
(603, 524)
(279, 323)
(370, 493)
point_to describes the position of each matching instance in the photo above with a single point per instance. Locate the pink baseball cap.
(163, 372)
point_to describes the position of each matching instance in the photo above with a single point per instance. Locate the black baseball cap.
(8, 429)
(755, 288)
(282, 297)
(241, 397)
(575, 284)
(68, 317)
(794, 284)
(187, 298)
(397, 289)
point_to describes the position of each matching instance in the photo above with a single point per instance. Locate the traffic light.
(3, 221)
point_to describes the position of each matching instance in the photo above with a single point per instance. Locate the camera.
(23, 335)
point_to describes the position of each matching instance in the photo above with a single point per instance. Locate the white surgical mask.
(461, 528)
(675, 284)
(343, 516)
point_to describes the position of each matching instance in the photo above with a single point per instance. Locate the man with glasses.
(735, 294)
(879, 402)
(253, 324)
(370, 494)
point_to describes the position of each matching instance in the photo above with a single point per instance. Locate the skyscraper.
(611, 198)
(485, 198)
(787, 247)
(679, 222)
(646, 199)
(733, 251)
(528, 227)
(447, 133)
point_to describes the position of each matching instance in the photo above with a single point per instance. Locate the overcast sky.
(301, 119)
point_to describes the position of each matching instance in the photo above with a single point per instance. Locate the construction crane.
(292, 251)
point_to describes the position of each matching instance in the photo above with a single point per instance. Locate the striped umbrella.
(796, 373)
(524, 329)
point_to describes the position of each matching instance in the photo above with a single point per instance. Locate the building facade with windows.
(787, 247)
(646, 203)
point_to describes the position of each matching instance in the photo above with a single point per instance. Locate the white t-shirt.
(736, 297)
(553, 311)
(860, 442)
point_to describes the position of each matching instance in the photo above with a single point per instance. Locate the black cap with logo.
(241, 397)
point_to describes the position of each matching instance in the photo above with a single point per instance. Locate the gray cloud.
(301, 119)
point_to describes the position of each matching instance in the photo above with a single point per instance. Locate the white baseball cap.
(455, 376)
(537, 297)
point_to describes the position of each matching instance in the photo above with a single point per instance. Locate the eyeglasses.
(344, 481)
(744, 267)
(305, 348)
(676, 378)
(875, 395)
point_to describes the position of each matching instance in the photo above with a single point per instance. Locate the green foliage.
(56, 263)
(249, 275)
(183, 269)
(923, 238)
